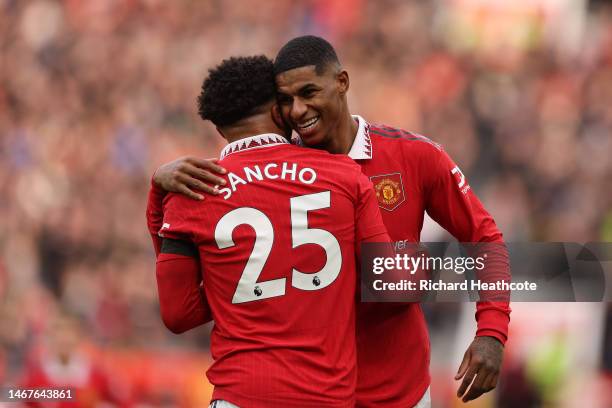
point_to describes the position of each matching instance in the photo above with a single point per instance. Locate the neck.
(254, 125)
(345, 133)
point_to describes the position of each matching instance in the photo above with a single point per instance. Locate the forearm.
(493, 312)
(181, 298)
(492, 319)
(464, 216)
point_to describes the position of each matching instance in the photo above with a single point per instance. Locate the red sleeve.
(182, 301)
(155, 214)
(181, 297)
(452, 204)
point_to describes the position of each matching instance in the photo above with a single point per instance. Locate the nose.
(298, 109)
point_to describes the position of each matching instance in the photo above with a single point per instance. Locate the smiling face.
(313, 103)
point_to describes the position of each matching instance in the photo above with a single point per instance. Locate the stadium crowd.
(95, 95)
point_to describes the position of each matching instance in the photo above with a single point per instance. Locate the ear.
(343, 82)
(280, 123)
(276, 116)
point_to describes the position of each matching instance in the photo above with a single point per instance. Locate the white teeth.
(309, 124)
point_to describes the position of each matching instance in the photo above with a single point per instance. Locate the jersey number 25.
(249, 289)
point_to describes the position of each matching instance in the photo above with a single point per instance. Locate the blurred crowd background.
(94, 95)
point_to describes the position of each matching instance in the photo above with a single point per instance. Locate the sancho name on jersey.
(270, 171)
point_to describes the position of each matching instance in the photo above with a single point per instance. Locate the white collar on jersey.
(362, 145)
(253, 142)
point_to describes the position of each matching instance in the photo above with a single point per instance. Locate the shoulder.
(324, 158)
(176, 201)
(396, 138)
(336, 169)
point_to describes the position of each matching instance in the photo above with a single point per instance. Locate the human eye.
(308, 92)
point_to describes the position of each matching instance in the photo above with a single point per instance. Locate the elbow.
(173, 322)
(174, 327)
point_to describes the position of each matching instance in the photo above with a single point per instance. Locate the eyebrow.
(301, 89)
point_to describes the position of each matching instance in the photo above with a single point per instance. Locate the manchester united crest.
(389, 190)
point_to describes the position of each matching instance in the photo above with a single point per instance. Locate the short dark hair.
(235, 89)
(304, 51)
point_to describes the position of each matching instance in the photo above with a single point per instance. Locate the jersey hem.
(405, 403)
(242, 401)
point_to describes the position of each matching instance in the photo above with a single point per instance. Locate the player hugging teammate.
(263, 245)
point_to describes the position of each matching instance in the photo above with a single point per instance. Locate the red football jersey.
(277, 250)
(392, 342)
(411, 175)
